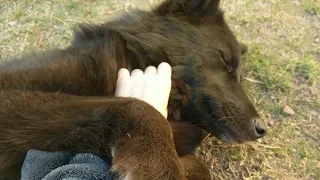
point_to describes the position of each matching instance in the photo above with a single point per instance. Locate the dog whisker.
(227, 117)
(209, 115)
(211, 101)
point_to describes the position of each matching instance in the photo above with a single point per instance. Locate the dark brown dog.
(63, 99)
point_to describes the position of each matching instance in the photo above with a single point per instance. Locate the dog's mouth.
(206, 113)
(215, 122)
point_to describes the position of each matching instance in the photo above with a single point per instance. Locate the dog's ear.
(199, 8)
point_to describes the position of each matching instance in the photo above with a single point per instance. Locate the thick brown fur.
(63, 99)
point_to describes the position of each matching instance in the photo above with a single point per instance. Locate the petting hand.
(152, 86)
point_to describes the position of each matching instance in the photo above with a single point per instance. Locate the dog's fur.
(63, 99)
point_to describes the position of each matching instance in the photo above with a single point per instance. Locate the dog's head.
(207, 59)
(205, 55)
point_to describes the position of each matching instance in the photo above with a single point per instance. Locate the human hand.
(152, 86)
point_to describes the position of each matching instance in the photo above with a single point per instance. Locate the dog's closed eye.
(228, 63)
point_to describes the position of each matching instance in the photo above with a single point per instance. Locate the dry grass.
(284, 57)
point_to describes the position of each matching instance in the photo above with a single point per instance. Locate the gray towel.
(40, 165)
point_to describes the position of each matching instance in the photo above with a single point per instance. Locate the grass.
(281, 67)
(312, 6)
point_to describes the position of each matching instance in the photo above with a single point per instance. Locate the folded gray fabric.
(40, 165)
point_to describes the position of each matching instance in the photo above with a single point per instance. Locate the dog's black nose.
(259, 128)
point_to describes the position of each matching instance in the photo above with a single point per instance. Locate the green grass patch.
(265, 68)
(311, 6)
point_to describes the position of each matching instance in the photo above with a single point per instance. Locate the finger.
(136, 76)
(164, 72)
(136, 81)
(166, 113)
(150, 71)
(123, 73)
(136, 73)
(164, 69)
(123, 83)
